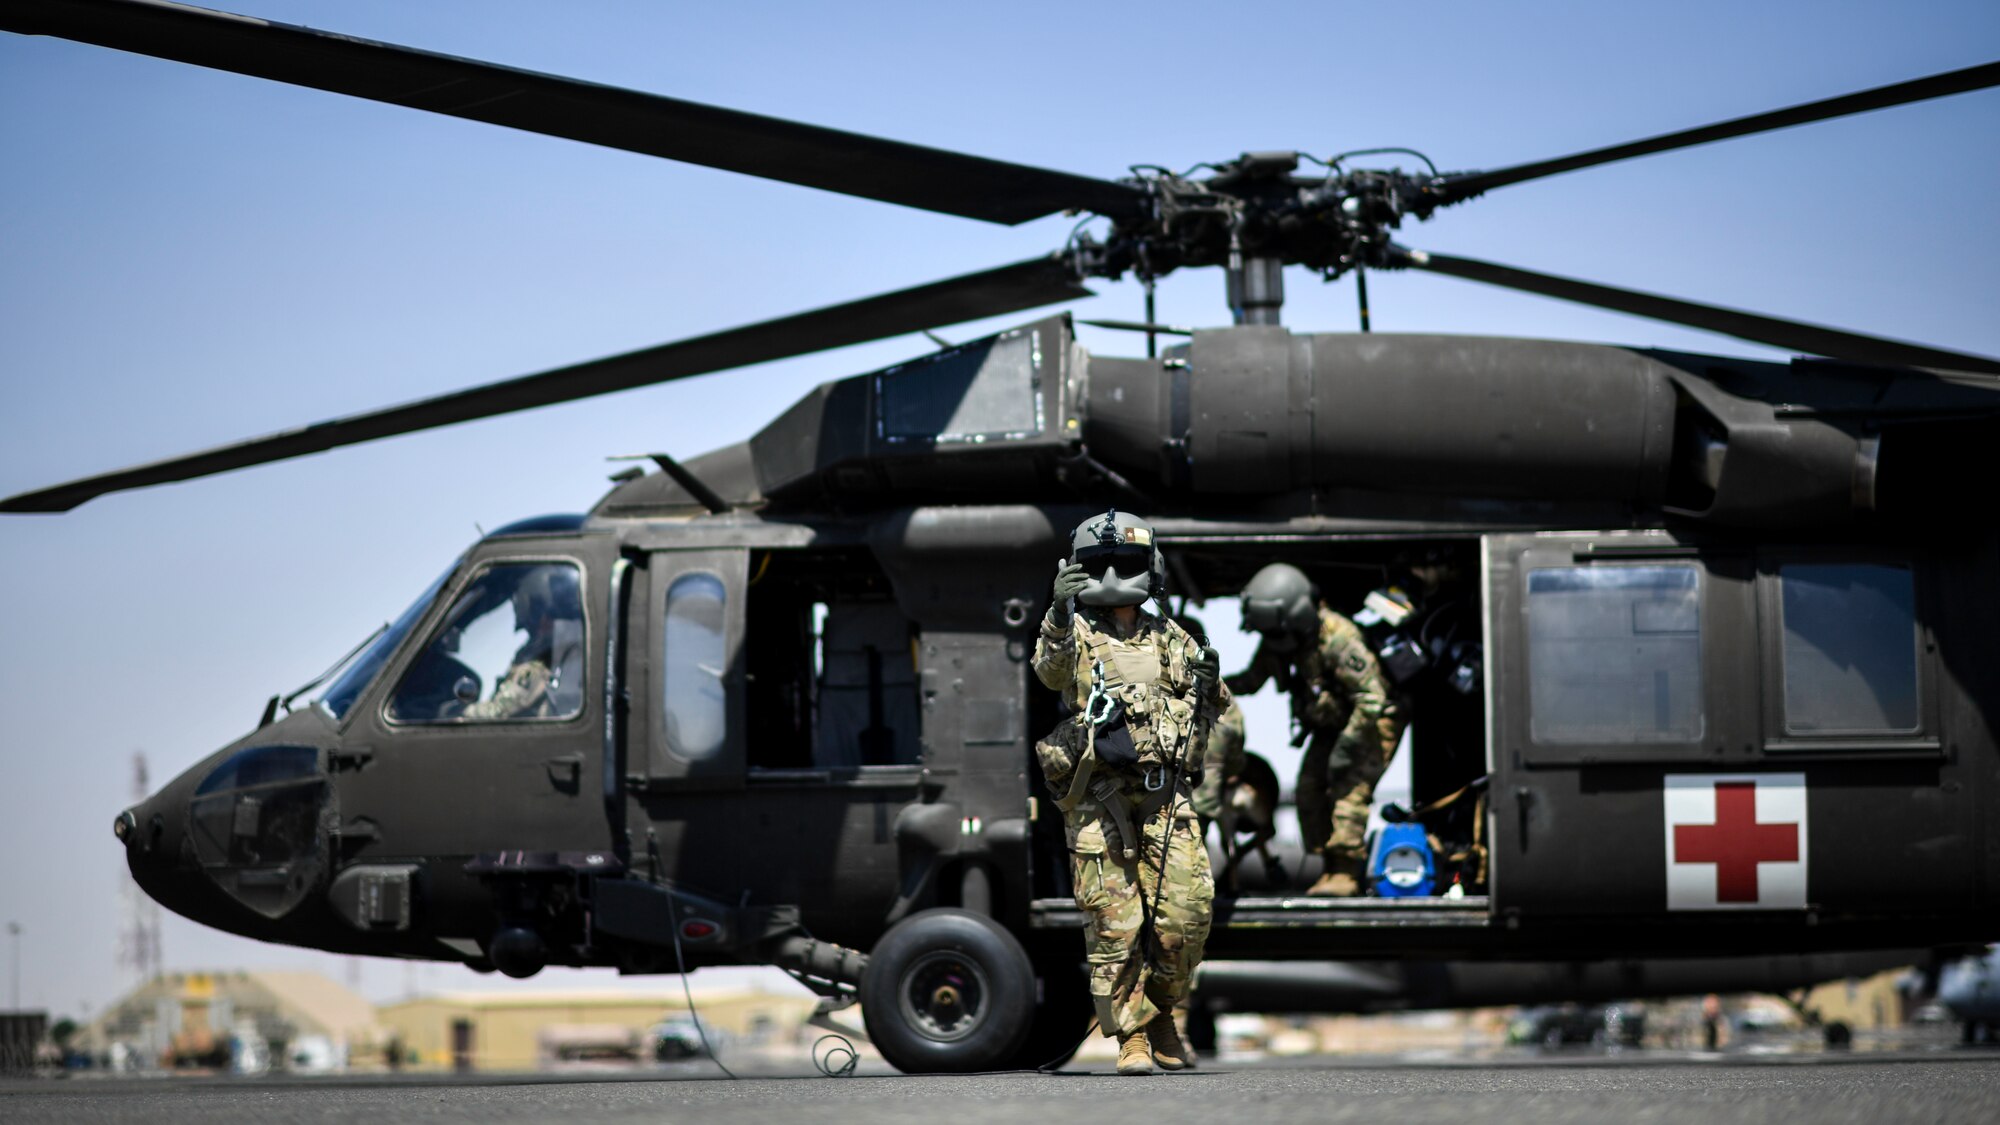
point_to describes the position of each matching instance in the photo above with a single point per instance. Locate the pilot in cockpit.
(545, 679)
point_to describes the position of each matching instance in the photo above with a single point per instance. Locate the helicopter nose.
(142, 829)
(240, 829)
(152, 837)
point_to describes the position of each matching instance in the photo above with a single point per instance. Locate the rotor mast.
(1256, 289)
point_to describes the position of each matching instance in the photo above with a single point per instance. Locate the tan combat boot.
(1135, 1053)
(1342, 878)
(1168, 1049)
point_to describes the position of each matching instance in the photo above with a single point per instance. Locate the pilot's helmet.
(1281, 603)
(1117, 552)
(547, 593)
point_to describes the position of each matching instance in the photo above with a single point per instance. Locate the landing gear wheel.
(1061, 1019)
(948, 991)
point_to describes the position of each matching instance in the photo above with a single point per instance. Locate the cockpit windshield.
(354, 679)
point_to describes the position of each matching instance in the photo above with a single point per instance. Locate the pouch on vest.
(1114, 743)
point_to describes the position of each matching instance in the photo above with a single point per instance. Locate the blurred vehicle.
(1970, 989)
(587, 1046)
(1560, 1025)
(1760, 1021)
(675, 1039)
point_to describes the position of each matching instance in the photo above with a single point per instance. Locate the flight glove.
(1070, 581)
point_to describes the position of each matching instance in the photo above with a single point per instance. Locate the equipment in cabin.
(1402, 864)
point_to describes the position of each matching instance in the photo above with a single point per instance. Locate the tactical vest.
(1137, 677)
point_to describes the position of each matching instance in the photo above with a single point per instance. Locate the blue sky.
(189, 258)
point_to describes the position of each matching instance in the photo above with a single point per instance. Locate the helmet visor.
(1128, 558)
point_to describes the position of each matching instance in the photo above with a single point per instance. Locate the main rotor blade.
(1465, 185)
(1023, 285)
(1811, 339)
(774, 148)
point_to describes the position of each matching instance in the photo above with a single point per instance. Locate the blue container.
(1402, 864)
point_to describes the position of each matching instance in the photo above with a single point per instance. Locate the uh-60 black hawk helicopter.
(775, 705)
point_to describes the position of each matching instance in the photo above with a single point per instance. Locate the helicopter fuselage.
(1723, 702)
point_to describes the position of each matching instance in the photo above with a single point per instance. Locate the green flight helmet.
(1117, 552)
(1281, 603)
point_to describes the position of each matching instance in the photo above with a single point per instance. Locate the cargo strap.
(1112, 798)
(1477, 784)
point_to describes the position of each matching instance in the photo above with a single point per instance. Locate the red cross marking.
(1736, 843)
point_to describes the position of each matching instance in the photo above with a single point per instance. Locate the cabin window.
(511, 647)
(695, 660)
(1614, 654)
(865, 687)
(1850, 648)
(831, 666)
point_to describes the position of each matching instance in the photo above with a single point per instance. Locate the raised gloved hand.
(1070, 581)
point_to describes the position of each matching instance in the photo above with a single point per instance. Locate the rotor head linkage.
(1253, 216)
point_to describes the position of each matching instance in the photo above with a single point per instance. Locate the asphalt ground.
(1633, 1088)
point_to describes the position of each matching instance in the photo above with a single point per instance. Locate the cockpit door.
(687, 691)
(485, 732)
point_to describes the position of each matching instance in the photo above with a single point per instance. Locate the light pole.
(14, 931)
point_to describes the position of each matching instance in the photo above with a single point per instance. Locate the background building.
(242, 1020)
(538, 1030)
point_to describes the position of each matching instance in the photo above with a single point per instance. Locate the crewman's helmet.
(1281, 603)
(1117, 551)
(547, 592)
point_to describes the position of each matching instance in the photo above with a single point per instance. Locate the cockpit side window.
(510, 648)
(363, 666)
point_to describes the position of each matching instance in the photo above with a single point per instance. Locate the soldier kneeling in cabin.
(1121, 768)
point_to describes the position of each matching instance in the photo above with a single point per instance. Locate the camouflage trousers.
(1336, 786)
(1142, 959)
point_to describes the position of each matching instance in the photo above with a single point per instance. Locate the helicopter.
(916, 507)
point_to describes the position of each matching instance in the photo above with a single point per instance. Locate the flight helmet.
(1117, 552)
(546, 592)
(1281, 603)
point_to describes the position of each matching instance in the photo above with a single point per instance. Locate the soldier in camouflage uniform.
(1121, 767)
(1342, 706)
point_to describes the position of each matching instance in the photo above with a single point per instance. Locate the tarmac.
(1936, 1085)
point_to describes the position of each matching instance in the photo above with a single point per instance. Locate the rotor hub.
(1255, 215)
(1259, 207)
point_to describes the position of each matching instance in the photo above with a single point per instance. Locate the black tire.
(948, 991)
(1838, 1035)
(1062, 1018)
